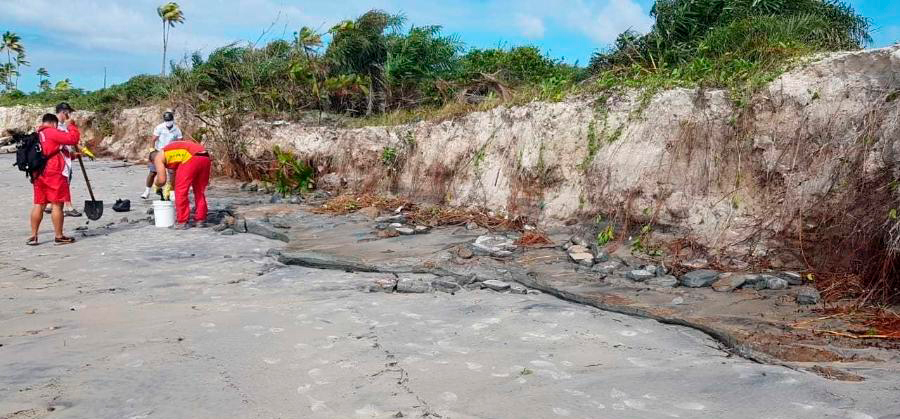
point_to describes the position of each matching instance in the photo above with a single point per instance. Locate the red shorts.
(51, 189)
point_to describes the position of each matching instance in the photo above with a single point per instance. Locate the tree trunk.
(163, 71)
(370, 103)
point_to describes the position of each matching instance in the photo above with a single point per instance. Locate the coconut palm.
(12, 43)
(42, 73)
(360, 47)
(170, 14)
(45, 85)
(63, 85)
(20, 61)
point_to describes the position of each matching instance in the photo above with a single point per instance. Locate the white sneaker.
(145, 195)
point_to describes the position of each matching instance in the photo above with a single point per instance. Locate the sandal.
(72, 213)
(32, 241)
(64, 240)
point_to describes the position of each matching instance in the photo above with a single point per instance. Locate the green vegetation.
(377, 70)
(291, 175)
(372, 67)
(739, 44)
(605, 236)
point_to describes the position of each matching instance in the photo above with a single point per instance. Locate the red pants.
(192, 173)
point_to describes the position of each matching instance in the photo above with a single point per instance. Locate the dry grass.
(432, 216)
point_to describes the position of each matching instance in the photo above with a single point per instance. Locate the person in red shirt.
(191, 164)
(52, 186)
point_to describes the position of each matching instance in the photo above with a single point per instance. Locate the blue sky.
(125, 36)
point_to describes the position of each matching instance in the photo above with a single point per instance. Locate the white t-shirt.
(166, 135)
(67, 157)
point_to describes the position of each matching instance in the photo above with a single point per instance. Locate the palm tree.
(170, 14)
(63, 84)
(43, 73)
(12, 43)
(360, 47)
(45, 85)
(20, 61)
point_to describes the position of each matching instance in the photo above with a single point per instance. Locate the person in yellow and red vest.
(191, 164)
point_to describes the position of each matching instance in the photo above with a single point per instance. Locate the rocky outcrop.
(693, 163)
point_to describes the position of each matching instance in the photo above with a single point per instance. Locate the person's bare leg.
(150, 177)
(58, 218)
(37, 215)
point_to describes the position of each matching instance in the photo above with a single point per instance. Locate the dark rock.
(639, 275)
(496, 285)
(578, 240)
(494, 246)
(581, 255)
(600, 255)
(422, 229)
(446, 285)
(276, 199)
(240, 225)
(406, 231)
(792, 278)
(664, 281)
(383, 283)
(295, 199)
(517, 289)
(808, 296)
(397, 218)
(471, 225)
(413, 285)
(729, 282)
(262, 228)
(464, 252)
(607, 268)
(776, 283)
(699, 278)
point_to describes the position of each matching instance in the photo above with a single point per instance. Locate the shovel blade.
(93, 209)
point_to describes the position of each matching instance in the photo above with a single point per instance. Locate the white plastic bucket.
(164, 213)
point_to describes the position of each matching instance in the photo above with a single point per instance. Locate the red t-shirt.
(52, 140)
(178, 152)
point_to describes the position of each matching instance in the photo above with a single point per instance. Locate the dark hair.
(64, 106)
(49, 118)
(168, 116)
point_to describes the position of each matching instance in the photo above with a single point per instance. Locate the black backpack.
(29, 155)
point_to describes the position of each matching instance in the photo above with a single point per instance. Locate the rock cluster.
(427, 283)
(698, 276)
(394, 225)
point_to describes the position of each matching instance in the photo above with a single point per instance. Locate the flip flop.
(64, 240)
(32, 241)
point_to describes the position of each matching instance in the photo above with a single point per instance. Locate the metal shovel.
(93, 209)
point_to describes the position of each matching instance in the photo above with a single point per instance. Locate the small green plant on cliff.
(291, 175)
(605, 236)
(593, 145)
(389, 156)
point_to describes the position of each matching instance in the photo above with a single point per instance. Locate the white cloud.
(531, 27)
(600, 20)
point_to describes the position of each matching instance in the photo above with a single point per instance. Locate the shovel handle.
(86, 181)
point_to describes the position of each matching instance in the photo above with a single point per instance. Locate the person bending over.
(191, 164)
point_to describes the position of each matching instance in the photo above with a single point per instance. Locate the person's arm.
(178, 135)
(70, 137)
(161, 173)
